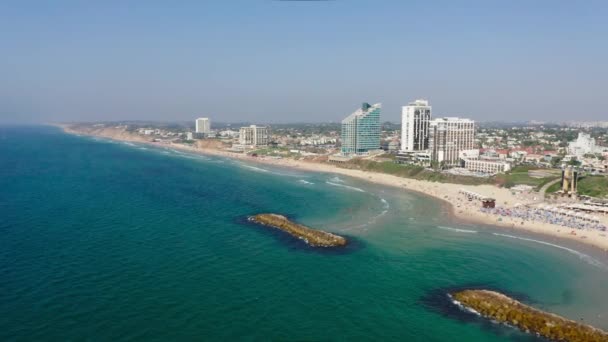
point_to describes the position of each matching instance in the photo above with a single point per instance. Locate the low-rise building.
(486, 166)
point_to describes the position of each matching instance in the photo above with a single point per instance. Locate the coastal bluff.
(503, 309)
(313, 237)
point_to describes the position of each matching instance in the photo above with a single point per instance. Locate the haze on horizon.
(301, 61)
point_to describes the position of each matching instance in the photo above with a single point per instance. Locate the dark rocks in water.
(503, 309)
(313, 237)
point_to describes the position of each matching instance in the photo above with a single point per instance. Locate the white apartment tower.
(254, 136)
(448, 137)
(203, 125)
(415, 119)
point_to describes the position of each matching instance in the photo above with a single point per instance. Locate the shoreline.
(448, 193)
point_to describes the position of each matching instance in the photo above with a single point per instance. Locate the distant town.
(524, 156)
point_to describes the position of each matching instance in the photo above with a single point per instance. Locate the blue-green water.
(106, 240)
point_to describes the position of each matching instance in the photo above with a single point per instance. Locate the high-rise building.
(253, 136)
(448, 137)
(415, 120)
(361, 130)
(203, 125)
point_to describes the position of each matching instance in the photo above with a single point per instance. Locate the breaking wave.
(457, 230)
(588, 259)
(345, 186)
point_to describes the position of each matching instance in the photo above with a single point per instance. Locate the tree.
(555, 161)
(574, 162)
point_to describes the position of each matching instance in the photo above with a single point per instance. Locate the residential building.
(254, 136)
(448, 137)
(415, 121)
(203, 125)
(584, 144)
(361, 130)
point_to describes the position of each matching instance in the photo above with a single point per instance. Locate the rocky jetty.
(313, 237)
(498, 307)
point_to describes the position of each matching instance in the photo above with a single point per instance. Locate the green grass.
(519, 175)
(412, 171)
(554, 188)
(594, 186)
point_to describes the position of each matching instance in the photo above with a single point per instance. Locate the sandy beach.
(461, 208)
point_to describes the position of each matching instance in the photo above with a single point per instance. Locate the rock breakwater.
(503, 309)
(313, 237)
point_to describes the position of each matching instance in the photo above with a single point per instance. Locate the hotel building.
(415, 121)
(203, 125)
(361, 130)
(448, 136)
(253, 136)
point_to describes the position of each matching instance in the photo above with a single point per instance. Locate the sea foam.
(459, 230)
(588, 259)
(345, 186)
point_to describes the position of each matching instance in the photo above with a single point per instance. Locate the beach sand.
(449, 193)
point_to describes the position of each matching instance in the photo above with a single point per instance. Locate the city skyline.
(161, 62)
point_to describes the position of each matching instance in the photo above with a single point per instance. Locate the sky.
(301, 61)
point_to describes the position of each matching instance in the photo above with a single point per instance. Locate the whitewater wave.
(463, 307)
(345, 186)
(128, 143)
(336, 179)
(588, 259)
(386, 207)
(254, 168)
(305, 182)
(259, 169)
(459, 230)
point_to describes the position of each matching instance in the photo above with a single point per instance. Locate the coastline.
(448, 193)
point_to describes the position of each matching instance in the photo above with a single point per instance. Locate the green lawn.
(412, 171)
(594, 186)
(519, 175)
(553, 188)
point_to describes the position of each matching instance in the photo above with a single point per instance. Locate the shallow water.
(110, 241)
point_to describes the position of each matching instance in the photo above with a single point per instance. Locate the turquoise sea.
(105, 240)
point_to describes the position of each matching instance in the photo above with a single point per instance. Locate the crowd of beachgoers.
(532, 214)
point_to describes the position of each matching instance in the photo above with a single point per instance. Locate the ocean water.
(105, 240)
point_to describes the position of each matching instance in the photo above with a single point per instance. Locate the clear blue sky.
(285, 61)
